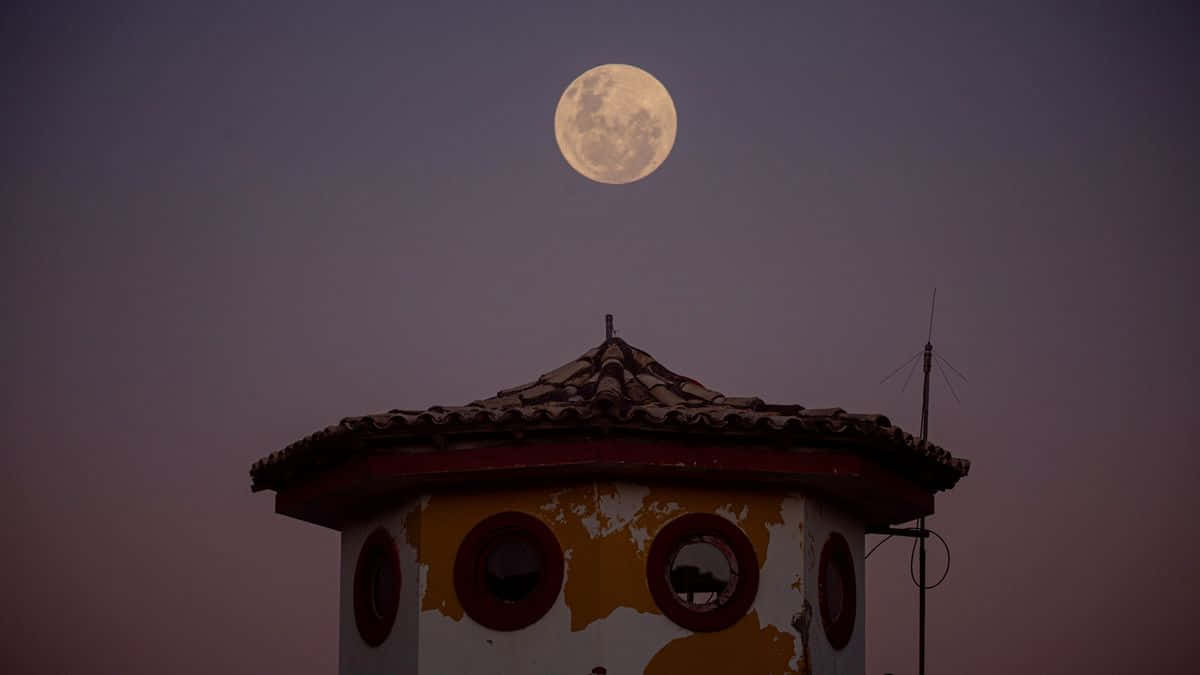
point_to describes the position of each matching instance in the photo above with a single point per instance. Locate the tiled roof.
(616, 385)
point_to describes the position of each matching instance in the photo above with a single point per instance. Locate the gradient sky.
(227, 226)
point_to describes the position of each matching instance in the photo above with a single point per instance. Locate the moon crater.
(615, 124)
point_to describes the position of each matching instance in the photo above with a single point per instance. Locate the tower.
(609, 517)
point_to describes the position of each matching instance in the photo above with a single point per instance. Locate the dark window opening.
(512, 569)
(835, 592)
(836, 586)
(383, 585)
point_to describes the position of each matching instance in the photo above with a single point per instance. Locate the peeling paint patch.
(609, 568)
(743, 648)
(604, 529)
(606, 572)
(621, 507)
(446, 519)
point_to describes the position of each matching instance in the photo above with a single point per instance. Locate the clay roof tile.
(626, 386)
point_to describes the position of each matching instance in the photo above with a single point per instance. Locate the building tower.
(609, 517)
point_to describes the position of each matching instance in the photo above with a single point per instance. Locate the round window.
(376, 587)
(508, 571)
(702, 572)
(836, 587)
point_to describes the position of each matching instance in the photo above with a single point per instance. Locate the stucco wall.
(604, 616)
(821, 519)
(398, 653)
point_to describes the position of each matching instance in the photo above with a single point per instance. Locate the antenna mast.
(921, 532)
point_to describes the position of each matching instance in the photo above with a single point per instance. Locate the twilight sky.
(225, 227)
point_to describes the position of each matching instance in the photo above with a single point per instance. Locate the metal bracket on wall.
(900, 531)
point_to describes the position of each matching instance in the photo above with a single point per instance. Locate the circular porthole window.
(702, 572)
(836, 586)
(376, 587)
(508, 571)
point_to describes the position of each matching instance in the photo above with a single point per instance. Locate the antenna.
(921, 523)
(608, 329)
(921, 533)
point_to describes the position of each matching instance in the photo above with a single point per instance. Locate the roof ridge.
(612, 375)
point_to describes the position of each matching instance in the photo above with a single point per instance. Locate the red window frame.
(836, 553)
(743, 564)
(375, 623)
(469, 568)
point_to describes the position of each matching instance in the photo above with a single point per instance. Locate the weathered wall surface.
(605, 616)
(821, 519)
(398, 654)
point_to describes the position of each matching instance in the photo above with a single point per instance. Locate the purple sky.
(225, 228)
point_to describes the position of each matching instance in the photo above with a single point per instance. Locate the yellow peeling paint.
(743, 648)
(605, 570)
(445, 521)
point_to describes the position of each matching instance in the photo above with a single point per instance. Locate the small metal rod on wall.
(900, 532)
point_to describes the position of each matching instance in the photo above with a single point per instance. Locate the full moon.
(615, 124)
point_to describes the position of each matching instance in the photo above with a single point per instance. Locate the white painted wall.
(398, 653)
(782, 583)
(822, 519)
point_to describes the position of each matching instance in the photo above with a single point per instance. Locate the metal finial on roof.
(608, 329)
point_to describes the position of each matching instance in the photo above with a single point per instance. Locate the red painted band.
(879, 496)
